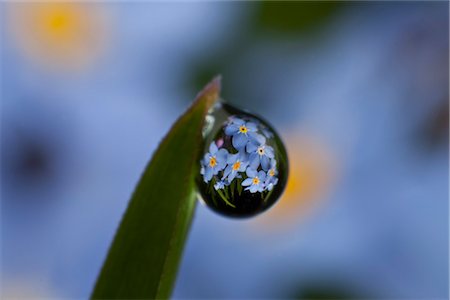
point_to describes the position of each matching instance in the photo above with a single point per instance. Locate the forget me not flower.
(256, 141)
(265, 130)
(220, 184)
(261, 154)
(268, 134)
(272, 171)
(242, 132)
(236, 163)
(214, 161)
(255, 181)
(270, 185)
(271, 179)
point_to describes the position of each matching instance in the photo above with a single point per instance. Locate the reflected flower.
(261, 156)
(255, 181)
(236, 163)
(271, 179)
(213, 162)
(220, 184)
(241, 132)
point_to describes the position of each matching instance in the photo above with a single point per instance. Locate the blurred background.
(359, 91)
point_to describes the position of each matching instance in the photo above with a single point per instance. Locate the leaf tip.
(211, 91)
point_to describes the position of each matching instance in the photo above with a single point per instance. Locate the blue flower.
(236, 163)
(255, 181)
(271, 179)
(241, 132)
(256, 141)
(220, 184)
(272, 172)
(264, 129)
(261, 154)
(213, 162)
(267, 133)
(270, 185)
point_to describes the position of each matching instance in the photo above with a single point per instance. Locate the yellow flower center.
(243, 129)
(255, 180)
(236, 166)
(272, 172)
(212, 162)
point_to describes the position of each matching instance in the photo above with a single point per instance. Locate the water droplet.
(244, 166)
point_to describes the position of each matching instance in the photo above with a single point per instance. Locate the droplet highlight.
(244, 166)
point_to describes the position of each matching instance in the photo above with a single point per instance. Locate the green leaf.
(144, 256)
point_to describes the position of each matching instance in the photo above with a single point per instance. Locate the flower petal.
(208, 174)
(267, 133)
(216, 169)
(251, 147)
(231, 129)
(226, 172)
(232, 158)
(254, 161)
(251, 172)
(213, 148)
(247, 182)
(221, 164)
(253, 189)
(239, 141)
(243, 166)
(232, 176)
(265, 164)
(269, 152)
(222, 154)
(261, 187)
(273, 163)
(262, 175)
(251, 126)
(243, 156)
(268, 180)
(237, 121)
(257, 138)
(206, 159)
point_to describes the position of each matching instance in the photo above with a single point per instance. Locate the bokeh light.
(55, 34)
(312, 175)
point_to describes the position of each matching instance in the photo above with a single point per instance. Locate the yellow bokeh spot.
(312, 169)
(66, 35)
(60, 22)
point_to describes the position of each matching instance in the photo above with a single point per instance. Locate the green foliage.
(143, 259)
(293, 17)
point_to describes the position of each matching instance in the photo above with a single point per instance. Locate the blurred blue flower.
(213, 162)
(271, 179)
(270, 186)
(255, 181)
(220, 184)
(267, 133)
(242, 132)
(236, 163)
(271, 174)
(264, 129)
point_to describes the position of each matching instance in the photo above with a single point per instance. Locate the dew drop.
(244, 166)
